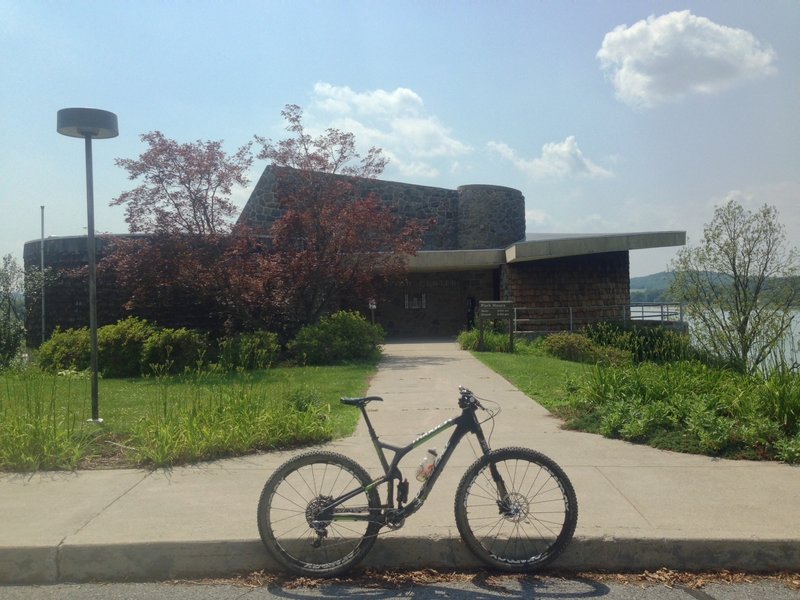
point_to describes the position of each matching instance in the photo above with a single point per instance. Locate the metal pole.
(41, 272)
(92, 276)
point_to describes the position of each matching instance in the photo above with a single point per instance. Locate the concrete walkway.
(640, 508)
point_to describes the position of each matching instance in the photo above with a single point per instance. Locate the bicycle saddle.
(360, 401)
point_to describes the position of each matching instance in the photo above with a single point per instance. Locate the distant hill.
(651, 288)
(659, 281)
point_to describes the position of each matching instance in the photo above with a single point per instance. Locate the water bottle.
(426, 466)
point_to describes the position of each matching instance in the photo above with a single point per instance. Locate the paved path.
(640, 508)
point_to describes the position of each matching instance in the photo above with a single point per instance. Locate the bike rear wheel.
(300, 532)
(529, 525)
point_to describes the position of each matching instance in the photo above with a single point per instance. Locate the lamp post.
(41, 271)
(88, 123)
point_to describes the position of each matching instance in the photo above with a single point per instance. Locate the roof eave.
(557, 247)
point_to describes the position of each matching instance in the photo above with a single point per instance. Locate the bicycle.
(320, 512)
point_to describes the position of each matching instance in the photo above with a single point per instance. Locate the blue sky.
(608, 116)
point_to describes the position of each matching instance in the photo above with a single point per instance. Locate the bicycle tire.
(528, 528)
(291, 500)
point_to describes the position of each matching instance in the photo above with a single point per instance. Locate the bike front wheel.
(516, 509)
(297, 524)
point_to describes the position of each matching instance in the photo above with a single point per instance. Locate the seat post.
(370, 428)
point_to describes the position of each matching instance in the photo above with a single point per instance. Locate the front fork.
(502, 493)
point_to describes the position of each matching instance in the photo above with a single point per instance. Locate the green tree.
(739, 285)
(11, 330)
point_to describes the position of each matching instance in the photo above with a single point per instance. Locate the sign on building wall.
(489, 311)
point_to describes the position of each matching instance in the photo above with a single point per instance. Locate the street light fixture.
(88, 123)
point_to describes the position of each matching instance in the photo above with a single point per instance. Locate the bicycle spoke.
(302, 523)
(528, 524)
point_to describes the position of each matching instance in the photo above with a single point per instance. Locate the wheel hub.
(317, 516)
(515, 507)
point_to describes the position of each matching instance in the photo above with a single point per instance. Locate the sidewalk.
(639, 508)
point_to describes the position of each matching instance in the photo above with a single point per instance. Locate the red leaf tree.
(217, 283)
(193, 268)
(185, 188)
(332, 246)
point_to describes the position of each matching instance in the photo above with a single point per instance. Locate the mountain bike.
(320, 512)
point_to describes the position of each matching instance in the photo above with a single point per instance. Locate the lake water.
(790, 350)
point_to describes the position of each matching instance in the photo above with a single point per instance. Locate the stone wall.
(595, 286)
(434, 304)
(471, 217)
(67, 293)
(489, 216)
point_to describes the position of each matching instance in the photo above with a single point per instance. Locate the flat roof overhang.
(559, 245)
(542, 247)
(427, 261)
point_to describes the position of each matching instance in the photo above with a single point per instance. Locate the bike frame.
(466, 422)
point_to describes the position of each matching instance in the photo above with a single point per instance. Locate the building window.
(415, 301)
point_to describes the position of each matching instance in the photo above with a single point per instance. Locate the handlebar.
(466, 398)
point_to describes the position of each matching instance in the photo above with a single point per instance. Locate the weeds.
(37, 430)
(169, 420)
(214, 422)
(649, 386)
(688, 406)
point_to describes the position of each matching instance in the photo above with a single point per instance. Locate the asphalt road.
(496, 588)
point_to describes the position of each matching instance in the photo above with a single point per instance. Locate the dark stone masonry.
(468, 218)
(474, 250)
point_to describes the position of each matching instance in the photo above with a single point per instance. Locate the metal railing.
(572, 318)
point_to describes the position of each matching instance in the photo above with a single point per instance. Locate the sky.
(613, 116)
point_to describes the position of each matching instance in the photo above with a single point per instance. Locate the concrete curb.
(185, 560)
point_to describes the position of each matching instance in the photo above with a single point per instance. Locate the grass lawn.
(172, 420)
(543, 378)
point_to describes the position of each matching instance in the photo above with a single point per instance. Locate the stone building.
(477, 250)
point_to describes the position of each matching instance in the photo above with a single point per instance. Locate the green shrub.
(788, 449)
(256, 350)
(570, 346)
(11, 335)
(119, 347)
(173, 351)
(341, 337)
(779, 398)
(493, 341)
(66, 349)
(652, 344)
(686, 406)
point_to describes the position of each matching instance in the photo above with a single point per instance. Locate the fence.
(543, 320)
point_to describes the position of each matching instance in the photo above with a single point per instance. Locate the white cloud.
(666, 58)
(559, 160)
(342, 99)
(535, 217)
(365, 134)
(413, 169)
(415, 142)
(426, 137)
